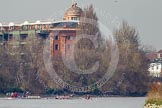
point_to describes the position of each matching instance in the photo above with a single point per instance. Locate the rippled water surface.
(111, 102)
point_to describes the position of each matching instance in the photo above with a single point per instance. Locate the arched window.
(56, 37)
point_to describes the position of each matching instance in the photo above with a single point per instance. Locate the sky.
(144, 15)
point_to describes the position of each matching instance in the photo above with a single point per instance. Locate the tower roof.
(74, 10)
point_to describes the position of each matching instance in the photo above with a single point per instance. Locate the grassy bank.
(154, 96)
(154, 101)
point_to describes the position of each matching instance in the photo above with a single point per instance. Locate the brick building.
(63, 33)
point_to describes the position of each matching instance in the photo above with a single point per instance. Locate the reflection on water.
(111, 102)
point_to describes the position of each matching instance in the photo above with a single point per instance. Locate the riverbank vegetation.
(155, 95)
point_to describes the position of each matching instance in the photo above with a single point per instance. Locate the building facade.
(63, 33)
(155, 67)
(9, 31)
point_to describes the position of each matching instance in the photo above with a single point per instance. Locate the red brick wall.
(62, 41)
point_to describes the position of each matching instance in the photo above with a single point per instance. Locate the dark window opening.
(23, 36)
(68, 37)
(157, 67)
(56, 47)
(10, 37)
(56, 37)
(6, 37)
(1, 38)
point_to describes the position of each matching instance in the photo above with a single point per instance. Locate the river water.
(109, 102)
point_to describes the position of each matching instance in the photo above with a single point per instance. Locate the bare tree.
(132, 71)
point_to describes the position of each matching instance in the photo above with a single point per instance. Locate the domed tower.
(73, 13)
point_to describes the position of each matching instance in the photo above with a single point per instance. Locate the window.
(56, 37)
(68, 46)
(68, 37)
(74, 18)
(23, 36)
(152, 67)
(1, 38)
(56, 47)
(157, 67)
